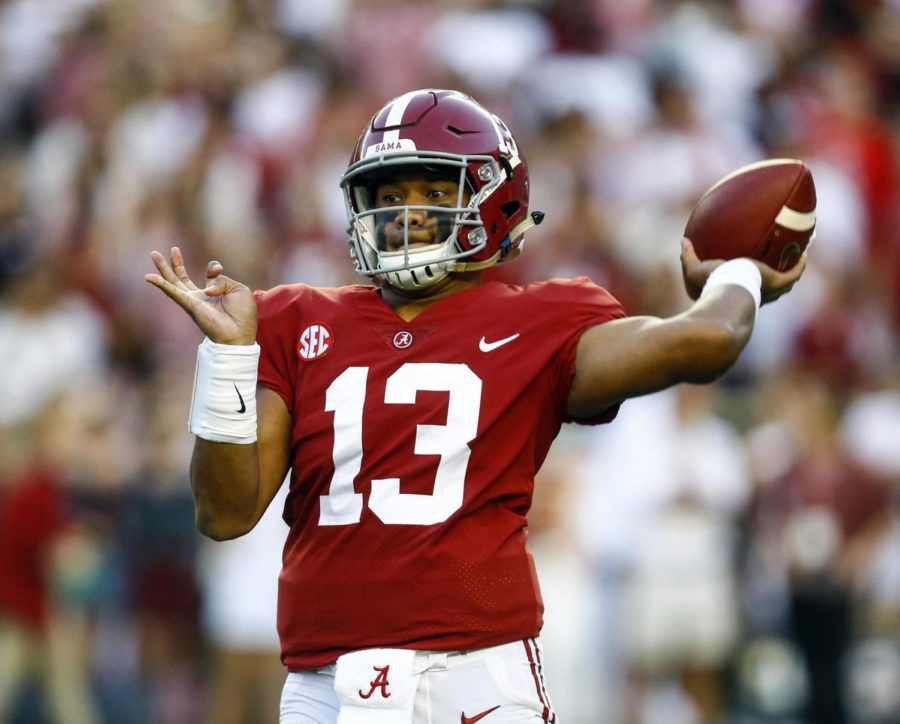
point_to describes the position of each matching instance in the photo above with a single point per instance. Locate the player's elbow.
(219, 527)
(712, 349)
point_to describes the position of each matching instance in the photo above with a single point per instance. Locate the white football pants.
(498, 685)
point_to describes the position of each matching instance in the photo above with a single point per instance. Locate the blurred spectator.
(809, 514)
(159, 548)
(870, 430)
(662, 492)
(652, 207)
(239, 579)
(32, 514)
(505, 39)
(575, 675)
(49, 560)
(48, 337)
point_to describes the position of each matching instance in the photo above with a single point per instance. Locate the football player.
(413, 414)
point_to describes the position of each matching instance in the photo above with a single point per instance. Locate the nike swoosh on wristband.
(478, 717)
(243, 406)
(486, 346)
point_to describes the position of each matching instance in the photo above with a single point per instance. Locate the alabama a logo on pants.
(380, 682)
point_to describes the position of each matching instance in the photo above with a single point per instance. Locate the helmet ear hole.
(510, 208)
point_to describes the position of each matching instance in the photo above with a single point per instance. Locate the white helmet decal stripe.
(395, 116)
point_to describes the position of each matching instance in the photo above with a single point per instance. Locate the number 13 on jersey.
(346, 397)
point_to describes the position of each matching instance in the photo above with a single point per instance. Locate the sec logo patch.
(314, 341)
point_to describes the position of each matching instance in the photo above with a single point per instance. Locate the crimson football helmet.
(446, 133)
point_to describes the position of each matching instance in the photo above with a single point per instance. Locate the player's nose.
(412, 217)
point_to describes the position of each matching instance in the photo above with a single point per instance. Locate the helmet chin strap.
(530, 221)
(415, 292)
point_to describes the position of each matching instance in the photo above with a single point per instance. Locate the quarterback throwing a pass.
(413, 415)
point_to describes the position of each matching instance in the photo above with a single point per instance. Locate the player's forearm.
(720, 326)
(637, 356)
(697, 346)
(225, 482)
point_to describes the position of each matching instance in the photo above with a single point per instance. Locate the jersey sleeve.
(277, 360)
(584, 305)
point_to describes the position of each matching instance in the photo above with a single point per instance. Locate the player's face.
(423, 226)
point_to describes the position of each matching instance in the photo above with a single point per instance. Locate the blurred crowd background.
(728, 553)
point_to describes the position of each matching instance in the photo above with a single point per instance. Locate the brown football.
(765, 210)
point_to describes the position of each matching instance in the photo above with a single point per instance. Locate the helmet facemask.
(459, 232)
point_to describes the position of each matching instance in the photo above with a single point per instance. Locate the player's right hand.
(778, 283)
(774, 283)
(224, 309)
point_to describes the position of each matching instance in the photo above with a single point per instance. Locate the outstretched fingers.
(165, 269)
(179, 270)
(224, 309)
(174, 281)
(186, 298)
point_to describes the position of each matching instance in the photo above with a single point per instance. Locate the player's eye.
(390, 199)
(441, 195)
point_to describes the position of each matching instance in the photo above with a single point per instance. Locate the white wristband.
(223, 408)
(742, 272)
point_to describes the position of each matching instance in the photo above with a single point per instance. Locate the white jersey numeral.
(346, 397)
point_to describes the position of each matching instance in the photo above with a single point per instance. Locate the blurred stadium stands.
(721, 554)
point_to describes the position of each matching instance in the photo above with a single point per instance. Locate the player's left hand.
(774, 283)
(224, 309)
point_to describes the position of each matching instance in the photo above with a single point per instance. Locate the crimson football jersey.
(414, 449)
